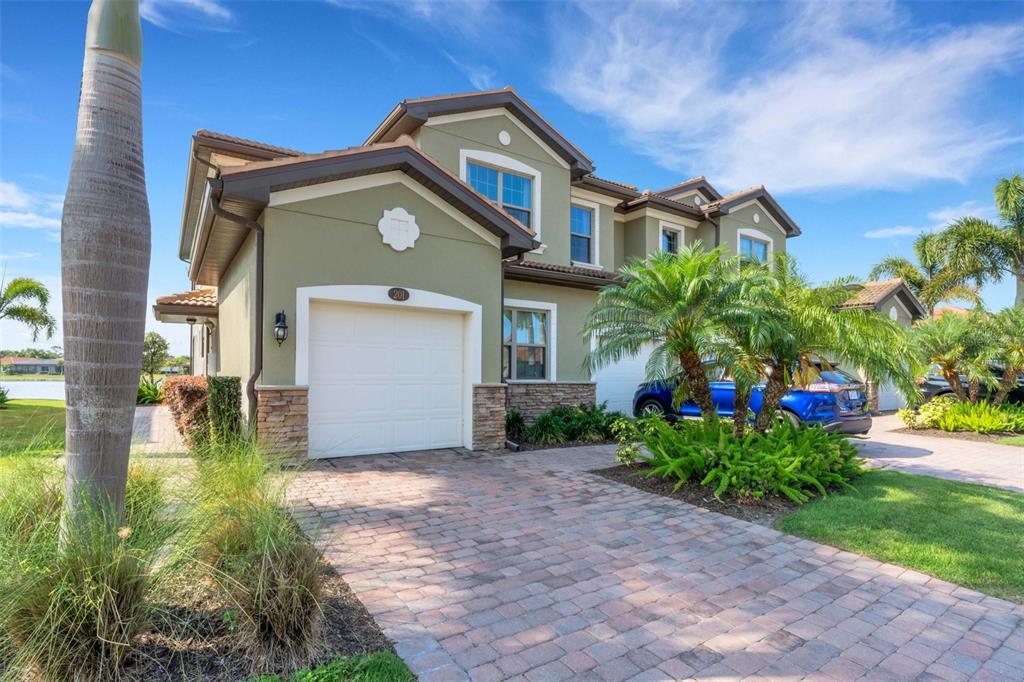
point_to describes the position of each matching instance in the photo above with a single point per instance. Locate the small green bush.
(4, 399)
(149, 393)
(983, 417)
(797, 462)
(224, 406)
(927, 415)
(380, 666)
(515, 425)
(573, 424)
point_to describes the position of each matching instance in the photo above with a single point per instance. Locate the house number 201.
(398, 294)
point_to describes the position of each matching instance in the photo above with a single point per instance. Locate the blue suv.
(837, 402)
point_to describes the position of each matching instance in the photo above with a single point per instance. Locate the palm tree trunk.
(105, 240)
(953, 379)
(1006, 385)
(700, 389)
(774, 389)
(973, 390)
(1018, 301)
(740, 407)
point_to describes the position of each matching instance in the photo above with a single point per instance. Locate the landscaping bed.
(955, 435)
(764, 511)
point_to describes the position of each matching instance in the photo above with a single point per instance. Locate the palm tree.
(811, 330)
(24, 300)
(959, 346)
(670, 301)
(1007, 330)
(931, 279)
(986, 251)
(105, 240)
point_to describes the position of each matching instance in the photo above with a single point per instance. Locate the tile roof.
(732, 197)
(870, 294)
(198, 298)
(213, 135)
(17, 360)
(566, 269)
(632, 188)
(698, 182)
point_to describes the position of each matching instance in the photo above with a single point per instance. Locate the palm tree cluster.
(980, 349)
(702, 311)
(24, 300)
(954, 263)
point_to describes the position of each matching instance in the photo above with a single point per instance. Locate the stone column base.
(488, 416)
(282, 419)
(533, 400)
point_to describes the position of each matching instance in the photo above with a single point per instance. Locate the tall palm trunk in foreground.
(105, 259)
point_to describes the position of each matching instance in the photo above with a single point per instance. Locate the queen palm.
(105, 240)
(931, 279)
(989, 252)
(1007, 332)
(811, 329)
(24, 300)
(668, 301)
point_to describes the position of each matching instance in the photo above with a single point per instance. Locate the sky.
(869, 122)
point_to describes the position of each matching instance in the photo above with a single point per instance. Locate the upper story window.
(670, 240)
(581, 234)
(754, 249)
(524, 353)
(515, 191)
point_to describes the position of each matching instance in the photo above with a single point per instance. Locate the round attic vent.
(504, 138)
(697, 200)
(757, 217)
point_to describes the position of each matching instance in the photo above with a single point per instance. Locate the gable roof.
(410, 114)
(186, 305)
(648, 198)
(873, 295)
(727, 203)
(699, 183)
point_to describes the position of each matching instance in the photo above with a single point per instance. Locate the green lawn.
(35, 426)
(381, 666)
(967, 534)
(1012, 440)
(4, 378)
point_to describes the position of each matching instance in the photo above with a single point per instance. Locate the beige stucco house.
(428, 279)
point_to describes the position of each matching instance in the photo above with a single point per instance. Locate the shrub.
(149, 393)
(547, 429)
(3, 398)
(983, 417)
(797, 462)
(72, 610)
(515, 425)
(224, 404)
(186, 397)
(573, 423)
(927, 415)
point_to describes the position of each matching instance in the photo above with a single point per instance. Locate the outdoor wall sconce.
(280, 327)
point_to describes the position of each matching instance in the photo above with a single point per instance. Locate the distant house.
(17, 365)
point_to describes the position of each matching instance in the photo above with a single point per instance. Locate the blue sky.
(869, 122)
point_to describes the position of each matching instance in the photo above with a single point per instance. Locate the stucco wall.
(444, 142)
(236, 303)
(744, 219)
(573, 306)
(334, 240)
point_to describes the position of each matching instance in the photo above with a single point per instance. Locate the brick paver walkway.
(1001, 466)
(524, 566)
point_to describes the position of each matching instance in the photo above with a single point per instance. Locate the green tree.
(931, 279)
(154, 354)
(810, 329)
(671, 302)
(105, 244)
(986, 251)
(24, 300)
(959, 346)
(1007, 330)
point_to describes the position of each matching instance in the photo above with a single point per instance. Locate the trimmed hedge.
(224, 406)
(186, 396)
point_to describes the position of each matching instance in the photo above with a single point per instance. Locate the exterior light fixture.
(280, 327)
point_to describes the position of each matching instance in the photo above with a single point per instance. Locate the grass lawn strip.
(1012, 440)
(380, 666)
(967, 534)
(32, 426)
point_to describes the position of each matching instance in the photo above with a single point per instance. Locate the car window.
(838, 376)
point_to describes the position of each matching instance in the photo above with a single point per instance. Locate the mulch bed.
(529, 447)
(193, 641)
(763, 512)
(956, 435)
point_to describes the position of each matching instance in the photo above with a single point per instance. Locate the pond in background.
(34, 390)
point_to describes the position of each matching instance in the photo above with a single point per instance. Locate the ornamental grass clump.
(572, 424)
(983, 417)
(71, 607)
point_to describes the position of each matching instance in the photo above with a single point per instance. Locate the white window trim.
(514, 165)
(595, 238)
(472, 334)
(757, 235)
(552, 310)
(665, 226)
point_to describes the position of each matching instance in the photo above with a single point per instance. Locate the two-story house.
(403, 294)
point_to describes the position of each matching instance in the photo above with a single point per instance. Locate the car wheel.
(784, 415)
(651, 408)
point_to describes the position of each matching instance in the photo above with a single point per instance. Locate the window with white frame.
(752, 248)
(670, 239)
(581, 234)
(513, 192)
(525, 344)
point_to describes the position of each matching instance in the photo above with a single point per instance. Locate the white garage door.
(889, 398)
(383, 379)
(617, 383)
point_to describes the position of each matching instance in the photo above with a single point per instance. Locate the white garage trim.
(472, 335)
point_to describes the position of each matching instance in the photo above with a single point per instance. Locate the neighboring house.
(954, 309)
(18, 365)
(403, 294)
(894, 299)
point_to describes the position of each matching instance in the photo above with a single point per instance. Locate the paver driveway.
(494, 567)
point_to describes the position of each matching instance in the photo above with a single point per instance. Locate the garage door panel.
(384, 379)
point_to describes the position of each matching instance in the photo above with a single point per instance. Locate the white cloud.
(27, 219)
(13, 196)
(940, 218)
(898, 231)
(482, 77)
(18, 255)
(170, 14)
(467, 17)
(799, 98)
(26, 209)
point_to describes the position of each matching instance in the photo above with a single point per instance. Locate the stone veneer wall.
(532, 400)
(488, 416)
(282, 419)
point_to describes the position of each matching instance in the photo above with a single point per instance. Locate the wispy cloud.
(481, 76)
(841, 95)
(466, 17)
(25, 209)
(18, 255)
(939, 219)
(173, 14)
